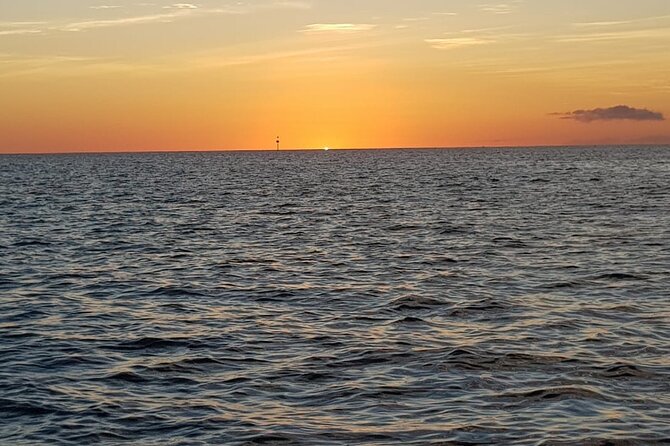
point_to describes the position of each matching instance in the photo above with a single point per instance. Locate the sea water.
(415, 297)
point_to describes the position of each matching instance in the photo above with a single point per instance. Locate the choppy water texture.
(444, 297)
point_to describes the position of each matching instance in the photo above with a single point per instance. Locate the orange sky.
(213, 75)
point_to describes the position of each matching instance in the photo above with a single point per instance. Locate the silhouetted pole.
(277, 143)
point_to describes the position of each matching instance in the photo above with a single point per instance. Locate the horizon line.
(148, 151)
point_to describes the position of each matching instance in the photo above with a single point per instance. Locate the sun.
(326, 148)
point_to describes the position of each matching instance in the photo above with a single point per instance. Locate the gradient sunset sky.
(119, 75)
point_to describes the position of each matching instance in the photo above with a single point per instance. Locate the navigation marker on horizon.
(277, 143)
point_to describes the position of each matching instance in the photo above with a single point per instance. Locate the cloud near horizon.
(617, 113)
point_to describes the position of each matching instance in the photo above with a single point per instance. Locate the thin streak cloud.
(181, 6)
(14, 32)
(472, 37)
(138, 20)
(218, 60)
(457, 42)
(317, 28)
(501, 8)
(662, 33)
(606, 23)
(174, 12)
(291, 5)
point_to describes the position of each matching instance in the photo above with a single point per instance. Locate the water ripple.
(446, 297)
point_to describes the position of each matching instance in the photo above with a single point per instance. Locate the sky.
(124, 75)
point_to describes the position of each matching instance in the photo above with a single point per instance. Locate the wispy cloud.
(125, 21)
(181, 6)
(648, 28)
(602, 24)
(15, 24)
(288, 4)
(500, 8)
(471, 37)
(457, 42)
(171, 13)
(617, 113)
(217, 59)
(653, 33)
(16, 65)
(424, 18)
(340, 28)
(14, 32)
(605, 23)
(18, 28)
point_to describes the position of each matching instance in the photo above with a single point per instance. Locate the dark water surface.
(446, 297)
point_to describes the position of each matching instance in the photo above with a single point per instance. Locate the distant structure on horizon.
(277, 143)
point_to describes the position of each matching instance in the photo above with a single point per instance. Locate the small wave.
(96, 438)
(440, 261)
(619, 276)
(279, 214)
(156, 375)
(403, 227)
(554, 394)
(509, 242)
(449, 230)
(148, 343)
(482, 308)
(25, 315)
(201, 361)
(128, 377)
(409, 320)
(316, 376)
(18, 334)
(70, 276)
(247, 261)
(272, 440)
(24, 243)
(18, 408)
(72, 361)
(625, 371)
(610, 442)
(563, 285)
(469, 359)
(415, 303)
(369, 357)
(174, 292)
(281, 294)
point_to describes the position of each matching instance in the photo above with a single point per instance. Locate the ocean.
(410, 297)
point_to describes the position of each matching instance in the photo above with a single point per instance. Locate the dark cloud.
(620, 112)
